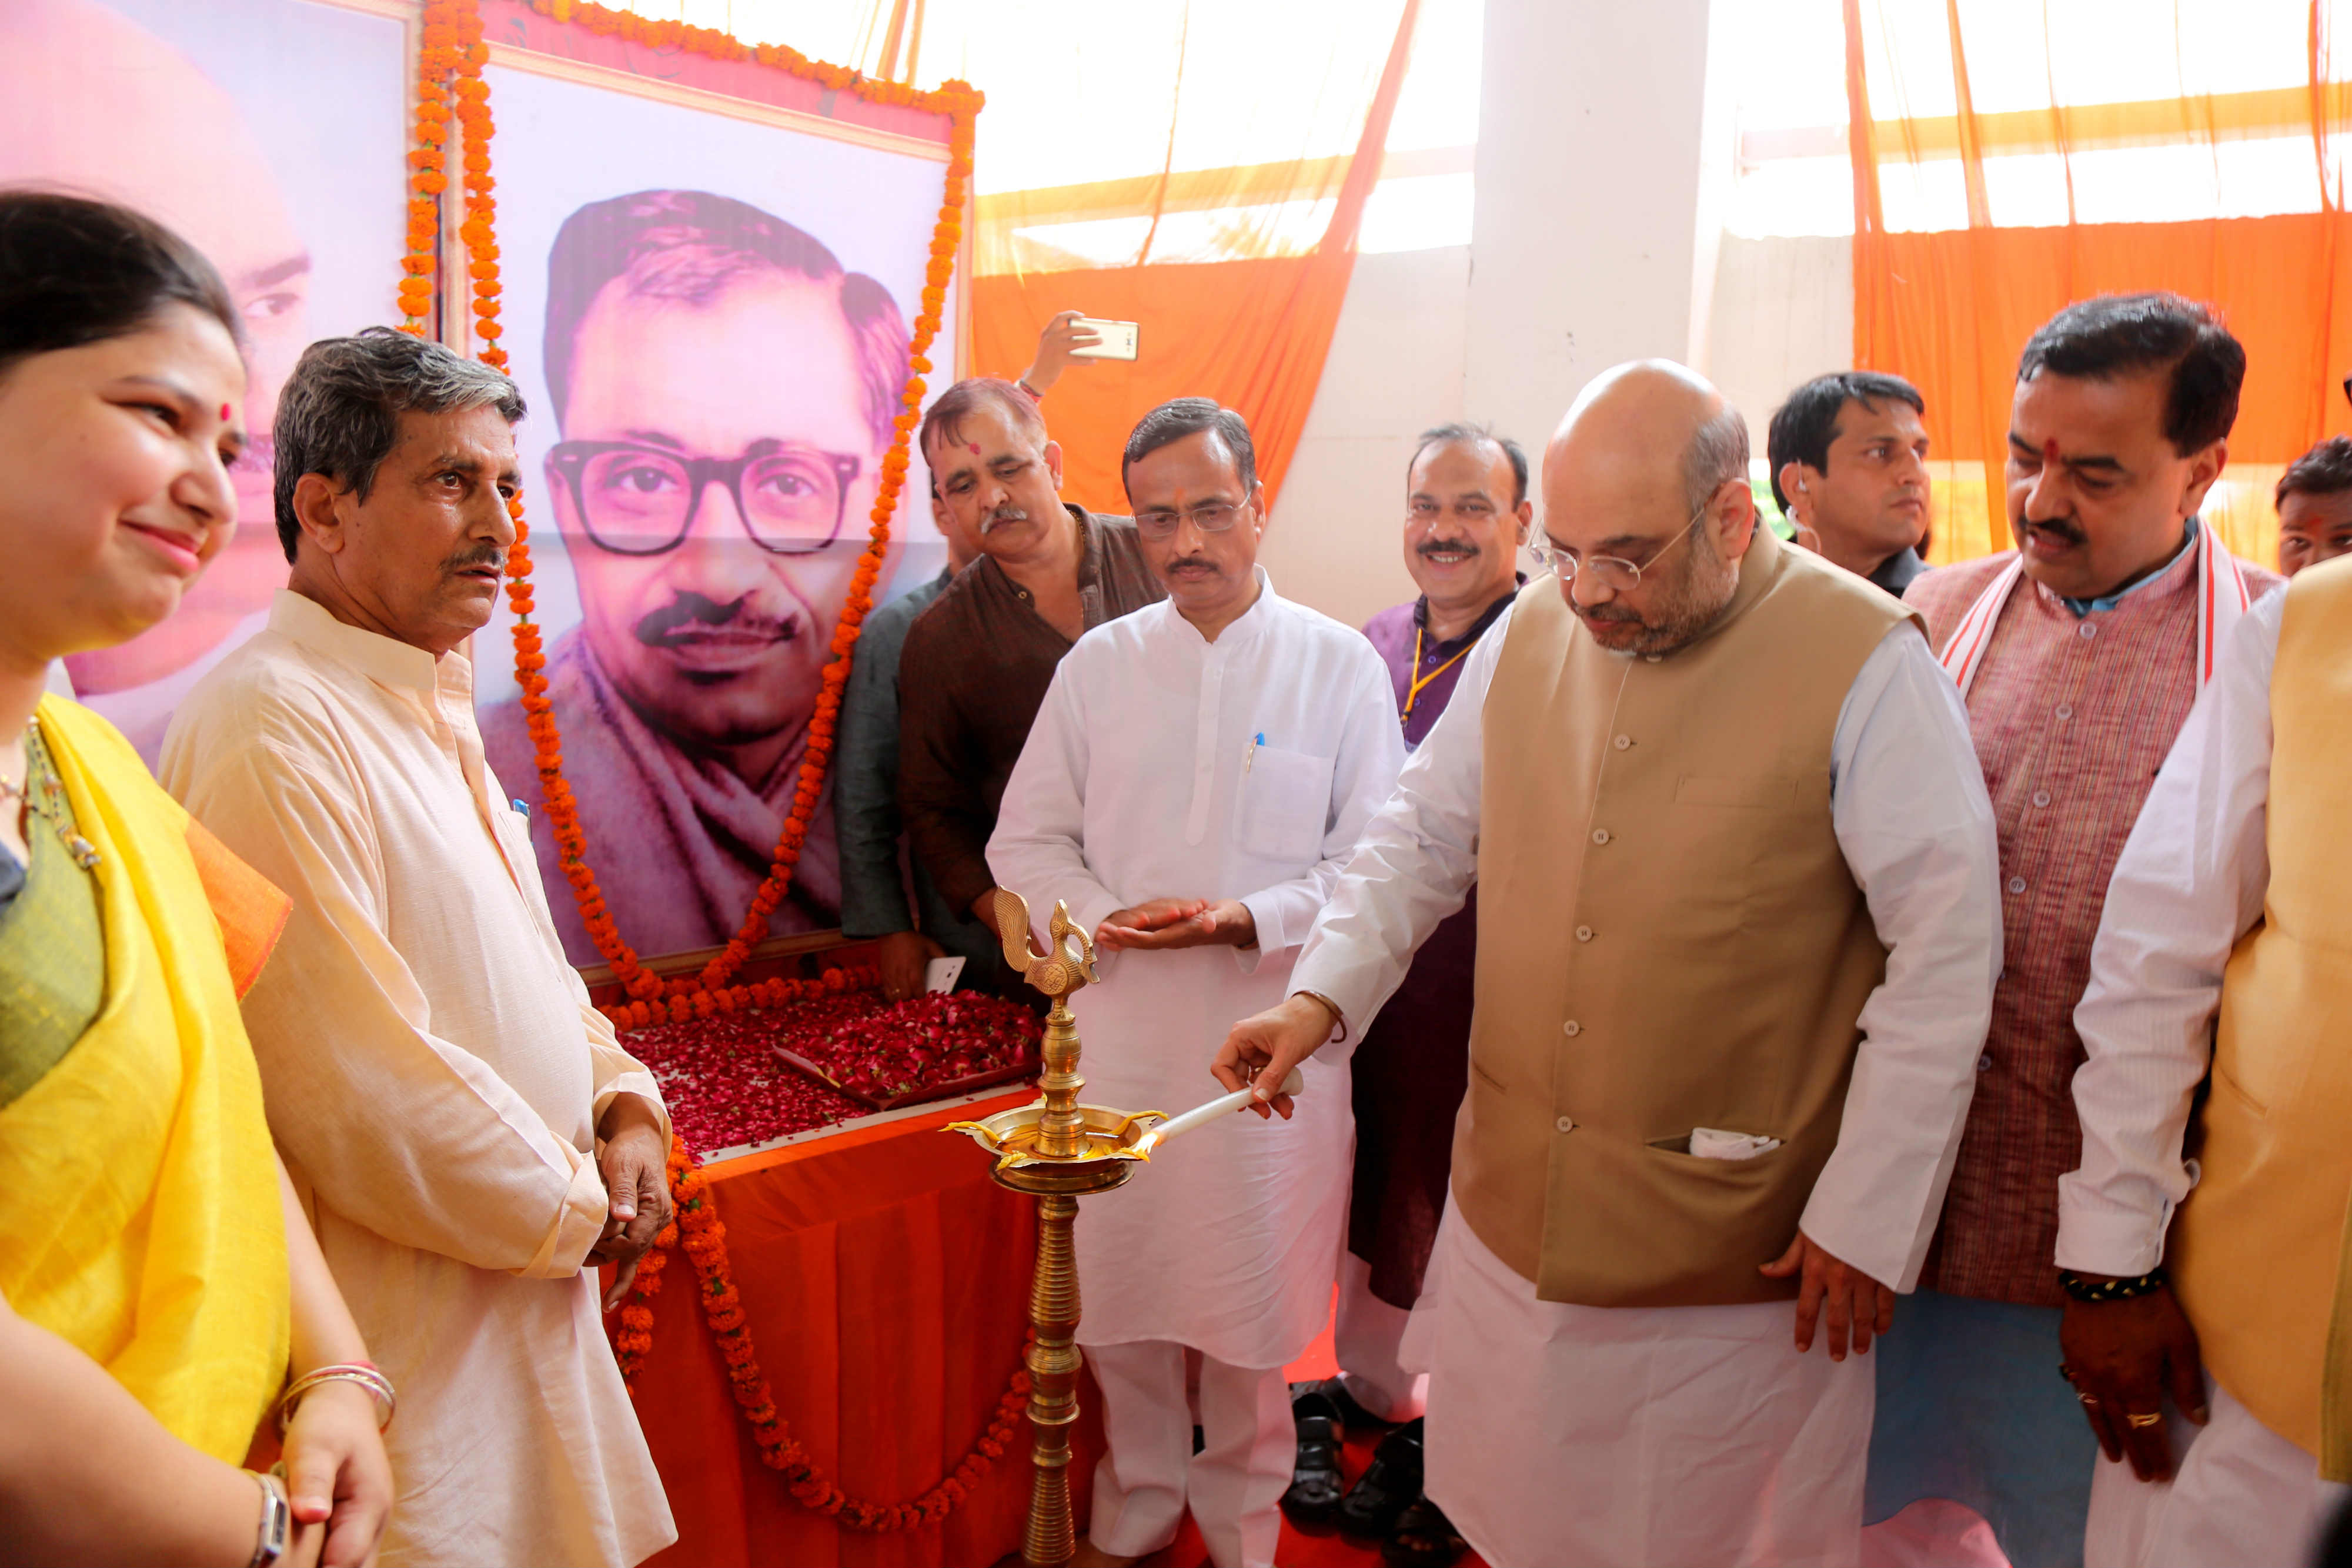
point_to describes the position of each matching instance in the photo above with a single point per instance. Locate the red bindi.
(975, 447)
(2050, 451)
(224, 414)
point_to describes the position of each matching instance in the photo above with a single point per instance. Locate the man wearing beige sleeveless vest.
(1739, 936)
(2232, 900)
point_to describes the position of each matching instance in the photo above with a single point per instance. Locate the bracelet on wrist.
(277, 1524)
(2083, 1289)
(1339, 1019)
(363, 1372)
(1023, 383)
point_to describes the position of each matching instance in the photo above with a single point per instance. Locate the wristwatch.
(277, 1520)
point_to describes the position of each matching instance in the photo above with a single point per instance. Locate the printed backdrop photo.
(709, 314)
(270, 133)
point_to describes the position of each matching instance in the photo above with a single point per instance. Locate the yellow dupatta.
(144, 1223)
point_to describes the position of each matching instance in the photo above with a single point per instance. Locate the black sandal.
(1316, 1483)
(1353, 1416)
(1373, 1506)
(1424, 1538)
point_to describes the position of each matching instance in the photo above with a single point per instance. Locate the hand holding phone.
(1114, 339)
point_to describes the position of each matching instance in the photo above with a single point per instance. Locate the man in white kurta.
(2196, 897)
(437, 1082)
(1196, 774)
(1564, 1431)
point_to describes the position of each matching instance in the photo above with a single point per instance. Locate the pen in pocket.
(1250, 761)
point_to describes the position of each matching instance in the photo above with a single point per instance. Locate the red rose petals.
(896, 1053)
(726, 1086)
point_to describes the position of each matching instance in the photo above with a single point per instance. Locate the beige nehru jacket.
(2257, 1250)
(1669, 939)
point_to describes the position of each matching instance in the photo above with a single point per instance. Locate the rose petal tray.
(944, 1089)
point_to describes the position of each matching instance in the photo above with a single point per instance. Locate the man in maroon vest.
(2078, 654)
(1466, 515)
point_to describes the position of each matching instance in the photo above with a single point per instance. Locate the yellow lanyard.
(1412, 693)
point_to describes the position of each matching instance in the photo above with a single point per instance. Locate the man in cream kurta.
(437, 1080)
(1606, 1323)
(1198, 770)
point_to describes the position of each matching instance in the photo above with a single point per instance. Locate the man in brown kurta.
(977, 663)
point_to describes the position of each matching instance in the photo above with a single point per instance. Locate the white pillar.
(1585, 239)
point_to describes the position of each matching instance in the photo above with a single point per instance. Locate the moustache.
(1445, 547)
(1003, 515)
(491, 556)
(1605, 616)
(1191, 563)
(2066, 528)
(689, 614)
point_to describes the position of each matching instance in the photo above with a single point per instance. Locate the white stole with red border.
(2221, 597)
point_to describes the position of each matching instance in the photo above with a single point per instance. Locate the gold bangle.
(378, 1385)
(1339, 1019)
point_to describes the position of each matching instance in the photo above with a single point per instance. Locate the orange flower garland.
(450, 84)
(961, 104)
(698, 1232)
(682, 1005)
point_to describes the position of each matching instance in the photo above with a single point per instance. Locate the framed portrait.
(708, 302)
(270, 133)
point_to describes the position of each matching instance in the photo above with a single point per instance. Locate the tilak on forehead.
(2050, 450)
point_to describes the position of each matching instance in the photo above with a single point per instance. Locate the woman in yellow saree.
(157, 1279)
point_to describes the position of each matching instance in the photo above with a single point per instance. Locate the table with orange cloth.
(885, 1281)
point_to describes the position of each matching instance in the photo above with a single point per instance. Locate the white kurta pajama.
(435, 1075)
(1164, 766)
(2190, 884)
(1597, 1435)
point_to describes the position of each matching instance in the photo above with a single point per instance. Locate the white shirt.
(435, 1075)
(1909, 808)
(2190, 884)
(1163, 766)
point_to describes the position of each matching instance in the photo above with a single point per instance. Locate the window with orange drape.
(1207, 182)
(2010, 156)
(1202, 167)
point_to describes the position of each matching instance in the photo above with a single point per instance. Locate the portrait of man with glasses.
(723, 392)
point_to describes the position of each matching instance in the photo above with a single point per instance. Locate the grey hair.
(339, 412)
(1717, 453)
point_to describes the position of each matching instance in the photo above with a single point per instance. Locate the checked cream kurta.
(1165, 766)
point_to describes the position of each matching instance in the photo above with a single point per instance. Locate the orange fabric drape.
(1251, 332)
(1950, 300)
(887, 1282)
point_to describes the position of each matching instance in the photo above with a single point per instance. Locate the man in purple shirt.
(1466, 515)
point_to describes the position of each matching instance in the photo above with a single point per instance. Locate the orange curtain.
(1999, 162)
(1236, 274)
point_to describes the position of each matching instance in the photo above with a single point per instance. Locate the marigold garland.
(449, 85)
(961, 104)
(680, 1007)
(697, 1231)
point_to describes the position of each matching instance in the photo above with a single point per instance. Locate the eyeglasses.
(1613, 573)
(1210, 517)
(634, 499)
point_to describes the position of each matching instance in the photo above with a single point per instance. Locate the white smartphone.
(1118, 338)
(940, 974)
